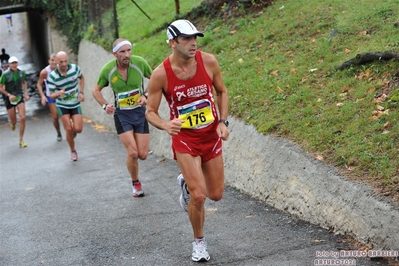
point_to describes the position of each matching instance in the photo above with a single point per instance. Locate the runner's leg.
(12, 115)
(143, 143)
(66, 121)
(129, 142)
(190, 167)
(77, 120)
(21, 114)
(54, 115)
(213, 171)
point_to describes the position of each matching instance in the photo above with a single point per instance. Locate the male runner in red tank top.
(198, 122)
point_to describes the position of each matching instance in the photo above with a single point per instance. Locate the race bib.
(16, 100)
(196, 115)
(70, 95)
(128, 100)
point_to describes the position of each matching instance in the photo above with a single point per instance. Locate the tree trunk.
(177, 4)
(362, 59)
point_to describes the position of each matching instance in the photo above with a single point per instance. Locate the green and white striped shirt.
(69, 83)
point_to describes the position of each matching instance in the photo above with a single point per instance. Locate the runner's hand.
(222, 131)
(44, 100)
(81, 97)
(173, 127)
(110, 109)
(61, 93)
(142, 100)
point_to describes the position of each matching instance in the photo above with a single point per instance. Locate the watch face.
(224, 122)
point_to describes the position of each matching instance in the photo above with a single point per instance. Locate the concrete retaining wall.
(274, 171)
(58, 41)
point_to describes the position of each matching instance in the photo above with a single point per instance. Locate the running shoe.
(184, 196)
(59, 136)
(137, 190)
(74, 156)
(12, 127)
(200, 252)
(22, 144)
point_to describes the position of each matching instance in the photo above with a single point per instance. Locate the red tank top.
(192, 100)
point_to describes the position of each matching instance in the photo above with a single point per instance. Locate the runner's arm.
(212, 66)
(222, 97)
(98, 95)
(143, 98)
(81, 84)
(42, 77)
(2, 90)
(39, 85)
(25, 88)
(155, 91)
(81, 96)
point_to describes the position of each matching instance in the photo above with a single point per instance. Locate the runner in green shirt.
(13, 86)
(125, 76)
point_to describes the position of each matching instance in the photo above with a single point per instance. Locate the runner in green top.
(13, 85)
(125, 75)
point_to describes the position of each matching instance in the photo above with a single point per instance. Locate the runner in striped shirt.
(66, 84)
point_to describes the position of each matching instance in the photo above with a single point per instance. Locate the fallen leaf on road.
(100, 127)
(211, 211)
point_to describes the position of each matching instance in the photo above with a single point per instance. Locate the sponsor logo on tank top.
(180, 95)
(197, 91)
(179, 87)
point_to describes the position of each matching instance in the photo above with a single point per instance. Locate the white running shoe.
(74, 156)
(200, 252)
(184, 197)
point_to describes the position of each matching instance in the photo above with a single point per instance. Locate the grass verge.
(279, 62)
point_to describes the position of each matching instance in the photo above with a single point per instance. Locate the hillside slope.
(279, 62)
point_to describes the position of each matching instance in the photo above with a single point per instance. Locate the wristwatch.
(105, 105)
(224, 122)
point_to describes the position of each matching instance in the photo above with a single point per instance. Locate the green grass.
(279, 69)
(134, 24)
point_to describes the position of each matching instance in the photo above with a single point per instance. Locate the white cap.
(183, 28)
(12, 59)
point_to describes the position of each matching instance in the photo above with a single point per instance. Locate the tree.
(177, 4)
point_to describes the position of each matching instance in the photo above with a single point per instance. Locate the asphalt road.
(57, 212)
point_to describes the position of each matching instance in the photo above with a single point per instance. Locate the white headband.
(119, 45)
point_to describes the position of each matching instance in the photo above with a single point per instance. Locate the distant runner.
(16, 92)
